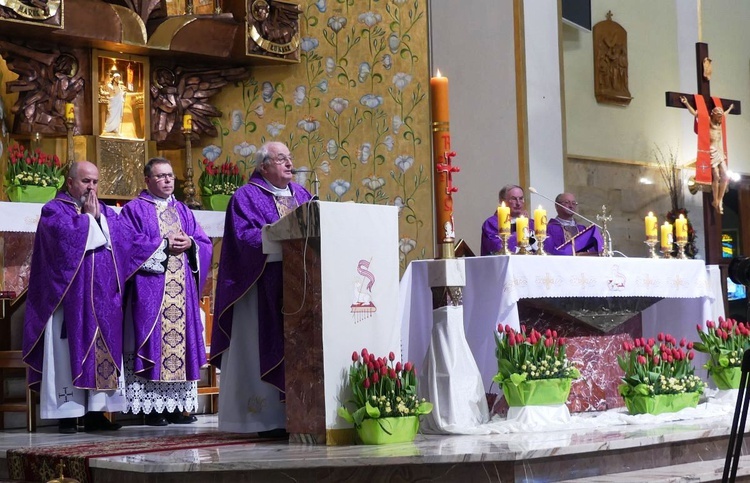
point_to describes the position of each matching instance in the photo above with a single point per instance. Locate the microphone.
(315, 180)
(532, 190)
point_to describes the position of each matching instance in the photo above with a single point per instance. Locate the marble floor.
(561, 454)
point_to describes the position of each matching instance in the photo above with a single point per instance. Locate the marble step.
(695, 472)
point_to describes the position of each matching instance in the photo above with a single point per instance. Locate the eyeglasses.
(518, 199)
(570, 203)
(163, 176)
(282, 158)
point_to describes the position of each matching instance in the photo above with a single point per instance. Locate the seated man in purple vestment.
(73, 327)
(163, 336)
(513, 196)
(247, 341)
(565, 236)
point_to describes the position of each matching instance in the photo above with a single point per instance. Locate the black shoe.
(156, 419)
(179, 418)
(191, 417)
(67, 426)
(278, 433)
(95, 421)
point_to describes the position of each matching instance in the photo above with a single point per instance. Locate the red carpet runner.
(41, 463)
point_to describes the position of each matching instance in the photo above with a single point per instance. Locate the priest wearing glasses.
(565, 236)
(247, 341)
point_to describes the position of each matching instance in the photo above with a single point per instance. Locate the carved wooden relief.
(47, 78)
(176, 91)
(41, 12)
(611, 63)
(273, 29)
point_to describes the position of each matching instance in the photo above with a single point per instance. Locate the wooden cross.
(711, 222)
(704, 86)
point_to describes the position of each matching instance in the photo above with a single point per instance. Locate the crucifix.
(704, 175)
(703, 171)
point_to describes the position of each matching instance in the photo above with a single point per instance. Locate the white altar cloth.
(23, 217)
(691, 295)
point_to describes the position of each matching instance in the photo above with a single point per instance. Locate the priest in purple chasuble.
(247, 342)
(513, 197)
(163, 333)
(565, 236)
(83, 253)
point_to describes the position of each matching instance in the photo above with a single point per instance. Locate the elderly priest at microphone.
(565, 236)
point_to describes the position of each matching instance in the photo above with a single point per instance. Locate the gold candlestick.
(71, 155)
(681, 249)
(217, 7)
(504, 237)
(651, 242)
(540, 237)
(524, 248)
(189, 7)
(666, 252)
(189, 187)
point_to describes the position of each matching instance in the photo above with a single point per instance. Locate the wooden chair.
(212, 387)
(12, 366)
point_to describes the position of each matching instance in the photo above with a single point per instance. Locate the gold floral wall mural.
(355, 110)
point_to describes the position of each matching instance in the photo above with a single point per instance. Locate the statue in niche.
(611, 63)
(116, 92)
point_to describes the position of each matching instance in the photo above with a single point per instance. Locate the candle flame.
(650, 213)
(438, 73)
(502, 204)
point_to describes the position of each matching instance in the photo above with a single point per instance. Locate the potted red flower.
(218, 182)
(32, 176)
(533, 369)
(659, 375)
(384, 398)
(725, 343)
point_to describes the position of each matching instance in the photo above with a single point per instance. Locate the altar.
(685, 292)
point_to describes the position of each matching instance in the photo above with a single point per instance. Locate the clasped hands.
(179, 242)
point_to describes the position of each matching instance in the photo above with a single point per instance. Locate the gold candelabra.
(651, 243)
(189, 187)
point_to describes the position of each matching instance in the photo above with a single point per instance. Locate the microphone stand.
(315, 180)
(607, 251)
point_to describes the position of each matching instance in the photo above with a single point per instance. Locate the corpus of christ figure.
(710, 125)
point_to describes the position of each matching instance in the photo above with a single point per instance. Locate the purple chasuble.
(243, 265)
(146, 291)
(590, 241)
(87, 285)
(491, 241)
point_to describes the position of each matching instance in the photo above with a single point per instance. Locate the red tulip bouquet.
(382, 388)
(533, 369)
(725, 343)
(659, 375)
